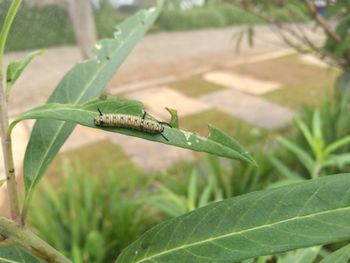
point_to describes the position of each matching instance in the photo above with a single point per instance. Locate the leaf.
(83, 82)
(303, 156)
(192, 190)
(306, 255)
(307, 134)
(217, 143)
(342, 255)
(15, 69)
(9, 254)
(317, 133)
(174, 121)
(283, 169)
(337, 144)
(337, 160)
(284, 182)
(260, 223)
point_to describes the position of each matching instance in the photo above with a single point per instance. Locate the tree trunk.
(82, 17)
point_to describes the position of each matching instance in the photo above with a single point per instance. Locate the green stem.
(8, 159)
(26, 239)
(4, 122)
(5, 30)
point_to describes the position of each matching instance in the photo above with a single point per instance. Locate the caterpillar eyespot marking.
(131, 122)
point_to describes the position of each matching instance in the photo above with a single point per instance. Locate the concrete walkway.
(252, 109)
(165, 55)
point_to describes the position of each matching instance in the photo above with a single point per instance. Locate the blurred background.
(248, 67)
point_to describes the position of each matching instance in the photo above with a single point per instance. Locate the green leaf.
(283, 169)
(317, 133)
(260, 223)
(83, 82)
(192, 190)
(337, 144)
(15, 69)
(174, 121)
(342, 255)
(302, 155)
(306, 133)
(217, 143)
(15, 255)
(306, 255)
(337, 160)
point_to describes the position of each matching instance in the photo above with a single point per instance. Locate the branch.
(24, 238)
(326, 28)
(321, 21)
(8, 159)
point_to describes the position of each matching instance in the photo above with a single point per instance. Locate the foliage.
(89, 218)
(83, 82)
(336, 48)
(203, 17)
(259, 223)
(15, 69)
(211, 180)
(319, 144)
(34, 27)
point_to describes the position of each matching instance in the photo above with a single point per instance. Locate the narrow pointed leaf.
(15, 69)
(174, 121)
(338, 160)
(302, 155)
(83, 82)
(217, 143)
(283, 169)
(342, 255)
(307, 134)
(262, 223)
(338, 144)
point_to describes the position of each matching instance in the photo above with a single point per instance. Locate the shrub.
(90, 218)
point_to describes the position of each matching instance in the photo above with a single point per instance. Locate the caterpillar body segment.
(130, 122)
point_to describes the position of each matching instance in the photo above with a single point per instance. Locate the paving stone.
(156, 99)
(241, 82)
(252, 109)
(150, 156)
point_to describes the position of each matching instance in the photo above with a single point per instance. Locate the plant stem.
(8, 159)
(26, 239)
(4, 122)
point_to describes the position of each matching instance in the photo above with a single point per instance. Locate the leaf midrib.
(243, 232)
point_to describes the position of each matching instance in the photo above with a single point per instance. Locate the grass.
(245, 133)
(195, 86)
(302, 84)
(96, 158)
(214, 15)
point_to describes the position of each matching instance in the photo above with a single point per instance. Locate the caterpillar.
(131, 122)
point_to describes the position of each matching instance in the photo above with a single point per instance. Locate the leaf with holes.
(218, 142)
(83, 82)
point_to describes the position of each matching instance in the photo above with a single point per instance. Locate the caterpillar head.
(99, 120)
